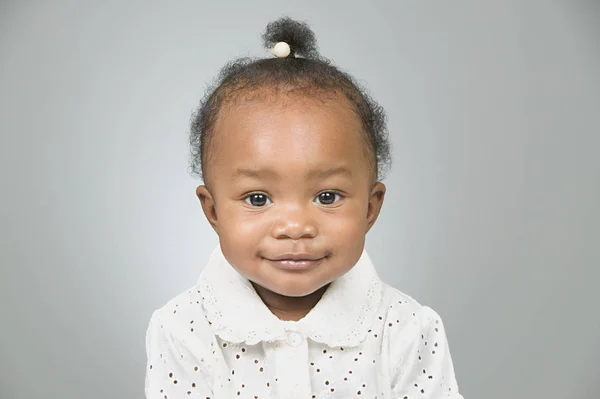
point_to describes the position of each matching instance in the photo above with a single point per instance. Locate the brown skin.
(286, 147)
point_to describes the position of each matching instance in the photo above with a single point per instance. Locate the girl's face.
(290, 191)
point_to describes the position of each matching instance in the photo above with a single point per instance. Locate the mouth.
(295, 261)
(296, 257)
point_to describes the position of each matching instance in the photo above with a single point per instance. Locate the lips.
(295, 261)
(296, 257)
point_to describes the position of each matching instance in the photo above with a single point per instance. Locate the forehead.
(284, 132)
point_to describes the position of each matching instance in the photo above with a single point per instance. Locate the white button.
(294, 339)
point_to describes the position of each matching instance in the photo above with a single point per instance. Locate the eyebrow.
(269, 173)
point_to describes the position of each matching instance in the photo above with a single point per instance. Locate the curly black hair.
(303, 71)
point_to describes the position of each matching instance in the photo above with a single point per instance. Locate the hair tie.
(281, 50)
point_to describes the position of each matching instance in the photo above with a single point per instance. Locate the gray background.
(491, 216)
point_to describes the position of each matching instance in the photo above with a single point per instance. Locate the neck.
(289, 308)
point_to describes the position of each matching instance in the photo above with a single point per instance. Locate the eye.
(258, 200)
(327, 198)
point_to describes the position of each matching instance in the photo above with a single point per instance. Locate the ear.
(208, 206)
(375, 203)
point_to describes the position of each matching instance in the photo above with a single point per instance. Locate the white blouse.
(363, 339)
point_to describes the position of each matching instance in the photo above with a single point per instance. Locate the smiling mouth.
(295, 261)
(296, 257)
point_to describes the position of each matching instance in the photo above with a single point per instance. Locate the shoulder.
(181, 307)
(402, 304)
(180, 348)
(404, 311)
(416, 348)
(183, 317)
(414, 332)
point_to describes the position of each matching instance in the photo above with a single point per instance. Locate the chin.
(295, 292)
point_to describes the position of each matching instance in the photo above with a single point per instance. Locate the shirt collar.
(341, 318)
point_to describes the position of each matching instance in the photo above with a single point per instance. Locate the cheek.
(350, 219)
(341, 226)
(345, 235)
(239, 237)
(240, 227)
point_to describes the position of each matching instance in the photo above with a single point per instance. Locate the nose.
(295, 223)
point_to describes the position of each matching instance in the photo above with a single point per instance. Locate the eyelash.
(248, 198)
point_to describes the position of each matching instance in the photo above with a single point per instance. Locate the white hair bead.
(281, 50)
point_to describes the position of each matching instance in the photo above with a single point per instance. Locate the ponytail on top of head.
(295, 66)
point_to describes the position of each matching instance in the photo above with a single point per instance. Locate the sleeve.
(175, 368)
(427, 372)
